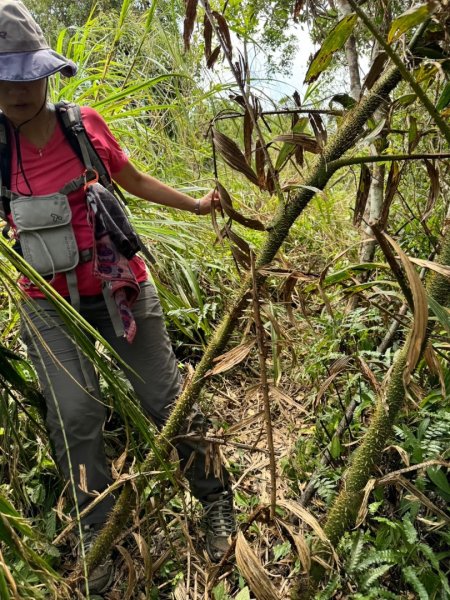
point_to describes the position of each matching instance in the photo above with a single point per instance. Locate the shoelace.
(219, 516)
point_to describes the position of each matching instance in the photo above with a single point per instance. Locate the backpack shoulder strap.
(71, 119)
(5, 164)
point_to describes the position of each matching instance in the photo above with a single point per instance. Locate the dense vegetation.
(314, 307)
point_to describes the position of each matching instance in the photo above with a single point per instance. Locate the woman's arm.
(148, 188)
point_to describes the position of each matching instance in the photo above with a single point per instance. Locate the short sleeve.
(103, 141)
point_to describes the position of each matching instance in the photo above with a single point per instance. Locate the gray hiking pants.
(73, 391)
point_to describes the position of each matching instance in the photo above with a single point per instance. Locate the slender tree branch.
(262, 355)
(361, 160)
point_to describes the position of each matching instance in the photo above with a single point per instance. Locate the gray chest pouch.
(45, 232)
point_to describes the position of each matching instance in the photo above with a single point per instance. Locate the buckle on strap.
(86, 255)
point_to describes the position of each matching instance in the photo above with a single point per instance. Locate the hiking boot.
(219, 523)
(101, 577)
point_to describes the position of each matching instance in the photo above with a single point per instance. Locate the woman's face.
(21, 101)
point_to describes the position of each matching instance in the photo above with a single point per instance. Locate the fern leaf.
(357, 549)
(375, 574)
(411, 577)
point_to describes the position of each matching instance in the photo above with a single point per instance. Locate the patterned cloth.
(115, 242)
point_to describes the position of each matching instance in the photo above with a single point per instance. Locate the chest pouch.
(45, 232)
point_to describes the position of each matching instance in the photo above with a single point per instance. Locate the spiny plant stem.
(345, 508)
(318, 178)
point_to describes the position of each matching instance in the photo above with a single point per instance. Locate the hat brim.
(31, 66)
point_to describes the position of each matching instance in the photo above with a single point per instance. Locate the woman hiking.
(73, 231)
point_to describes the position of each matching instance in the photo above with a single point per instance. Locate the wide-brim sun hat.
(24, 52)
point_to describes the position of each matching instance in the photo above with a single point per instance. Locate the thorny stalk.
(262, 355)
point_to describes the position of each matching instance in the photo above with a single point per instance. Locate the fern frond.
(375, 574)
(357, 549)
(411, 577)
(378, 557)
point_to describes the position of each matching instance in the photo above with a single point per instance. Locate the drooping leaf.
(213, 57)
(319, 129)
(375, 70)
(248, 131)
(440, 312)
(233, 156)
(224, 30)
(392, 184)
(410, 18)
(260, 161)
(189, 22)
(251, 569)
(227, 205)
(444, 98)
(333, 42)
(288, 148)
(362, 194)
(435, 186)
(207, 35)
(232, 358)
(307, 142)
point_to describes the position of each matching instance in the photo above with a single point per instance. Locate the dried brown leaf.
(132, 579)
(375, 70)
(301, 513)
(233, 357)
(307, 142)
(226, 203)
(419, 295)
(319, 129)
(233, 156)
(213, 57)
(369, 375)
(207, 35)
(434, 266)
(362, 194)
(248, 132)
(189, 22)
(301, 546)
(260, 160)
(224, 30)
(435, 367)
(362, 513)
(435, 187)
(392, 184)
(252, 571)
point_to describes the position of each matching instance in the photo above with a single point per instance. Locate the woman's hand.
(209, 200)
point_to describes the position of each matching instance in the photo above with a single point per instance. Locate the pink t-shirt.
(48, 170)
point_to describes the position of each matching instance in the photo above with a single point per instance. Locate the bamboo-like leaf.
(207, 36)
(232, 358)
(392, 184)
(233, 156)
(252, 571)
(301, 512)
(213, 57)
(224, 30)
(375, 70)
(434, 266)
(419, 295)
(444, 98)
(435, 187)
(440, 312)
(410, 18)
(308, 142)
(248, 131)
(333, 42)
(227, 205)
(189, 22)
(319, 129)
(260, 160)
(303, 551)
(362, 194)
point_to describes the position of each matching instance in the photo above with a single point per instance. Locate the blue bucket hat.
(24, 53)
